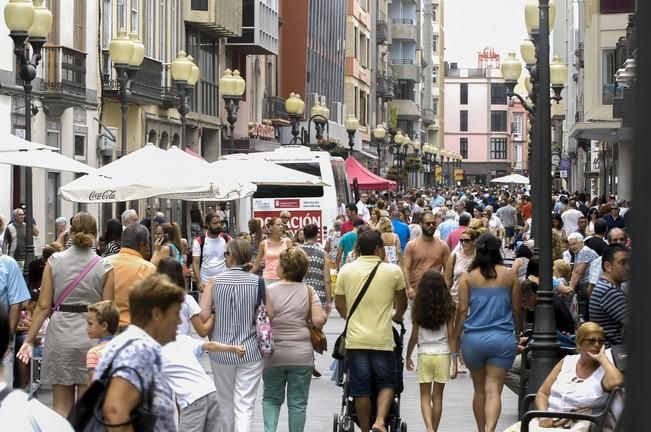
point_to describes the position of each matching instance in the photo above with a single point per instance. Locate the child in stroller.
(347, 418)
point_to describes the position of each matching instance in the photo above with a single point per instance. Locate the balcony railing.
(384, 85)
(274, 108)
(402, 21)
(381, 32)
(151, 81)
(64, 71)
(402, 61)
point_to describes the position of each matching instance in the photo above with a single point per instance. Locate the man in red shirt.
(454, 236)
(351, 215)
(526, 207)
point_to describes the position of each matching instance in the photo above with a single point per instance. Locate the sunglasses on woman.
(465, 240)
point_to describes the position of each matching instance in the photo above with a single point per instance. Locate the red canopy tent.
(366, 179)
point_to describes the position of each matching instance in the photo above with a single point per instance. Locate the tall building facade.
(597, 144)
(478, 123)
(64, 107)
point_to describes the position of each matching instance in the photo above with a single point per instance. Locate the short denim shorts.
(371, 369)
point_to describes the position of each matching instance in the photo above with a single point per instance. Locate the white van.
(307, 204)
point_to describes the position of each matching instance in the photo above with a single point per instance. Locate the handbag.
(86, 415)
(619, 356)
(72, 285)
(263, 323)
(339, 350)
(317, 337)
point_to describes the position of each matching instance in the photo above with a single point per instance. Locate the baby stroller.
(347, 419)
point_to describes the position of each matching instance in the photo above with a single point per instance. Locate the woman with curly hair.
(491, 292)
(432, 327)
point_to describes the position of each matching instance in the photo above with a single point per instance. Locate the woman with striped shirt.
(234, 297)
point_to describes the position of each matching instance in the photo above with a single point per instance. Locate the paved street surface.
(325, 398)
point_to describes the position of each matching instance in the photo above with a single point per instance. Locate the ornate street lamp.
(127, 54)
(320, 116)
(351, 124)
(28, 24)
(295, 107)
(185, 75)
(379, 133)
(232, 86)
(539, 18)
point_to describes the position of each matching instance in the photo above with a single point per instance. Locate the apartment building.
(598, 145)
(433, 81)
(480, 124)
(64, 109)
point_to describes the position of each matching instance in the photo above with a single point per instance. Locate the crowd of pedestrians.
(117, 301)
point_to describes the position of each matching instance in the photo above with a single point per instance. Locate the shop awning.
(366, 179)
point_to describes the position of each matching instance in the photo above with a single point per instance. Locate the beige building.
(598, 145)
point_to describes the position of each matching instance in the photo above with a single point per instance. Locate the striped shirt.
(235, 296)
(608, 309)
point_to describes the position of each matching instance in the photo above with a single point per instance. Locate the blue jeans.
(297, 380)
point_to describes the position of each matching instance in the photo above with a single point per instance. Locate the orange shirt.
(526, 211)
(129, 267)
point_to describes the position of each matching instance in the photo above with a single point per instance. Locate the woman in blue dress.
(488, 322)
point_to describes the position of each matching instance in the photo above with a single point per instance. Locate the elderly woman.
(154, 304)
(66, 342)
(578, 382)
(234, 297)
(289, 369)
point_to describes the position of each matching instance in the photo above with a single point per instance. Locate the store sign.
(259, 130)
(298, 219)
(458, 174)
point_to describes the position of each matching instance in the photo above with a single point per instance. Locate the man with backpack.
(208, 251)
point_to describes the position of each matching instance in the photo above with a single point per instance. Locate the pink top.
(95, 354)
(272, 252)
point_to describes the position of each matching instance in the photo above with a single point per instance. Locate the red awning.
(366, 179)
(190, 151)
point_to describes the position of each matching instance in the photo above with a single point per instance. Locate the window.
(204, 50)
(435, 42)
(363, 55)
(608, 69)
(498, 121)
(175, 27)
(435, 106)
(356, 39)
(435, 72)
(362, 108)
(107, 22)
(463, 121)
(463, 147)
(498, 148)
(162, 35)
(498, 94)
(52, 205)
(79, 33)
(122, 12)
(150, 29)
(80, 146)
(53, 37)
(267, 191)
(53, 138)
(517, 126)
(463, 94)
(435, 12)
(135, 23)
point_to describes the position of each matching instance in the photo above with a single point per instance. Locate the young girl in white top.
(432, 322)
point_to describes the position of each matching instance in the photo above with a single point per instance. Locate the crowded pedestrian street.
(341, 215)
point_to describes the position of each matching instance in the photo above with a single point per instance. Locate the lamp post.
(351, 124)
(185, 75)
(127, 54)
(379, 133)
(28, 24)
(232, 86)
(295, 107)
(539, 17)
(320, 116)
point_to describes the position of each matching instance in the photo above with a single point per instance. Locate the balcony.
(259, 29)
(384, 86)
(404, 29)
(151, 85)
(274, 110)
(64, 78)
(219, 18)
(405, 69)
(428, 117)
(382, 33)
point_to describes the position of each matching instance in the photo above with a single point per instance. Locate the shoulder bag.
(263, 323)
(339, 351)
(317, 337)
(87, 416)
(72, 285)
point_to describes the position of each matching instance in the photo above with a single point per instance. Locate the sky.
(472, 25)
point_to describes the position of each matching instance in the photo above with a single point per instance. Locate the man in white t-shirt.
(195, 391)
(362, 210)
(571, 217)
(208, 251)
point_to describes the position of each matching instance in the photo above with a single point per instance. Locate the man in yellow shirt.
(130, 266)
(369, 338)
